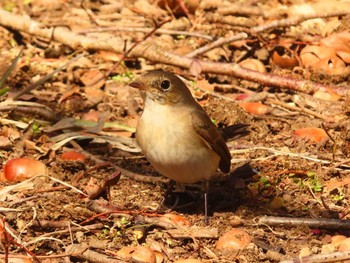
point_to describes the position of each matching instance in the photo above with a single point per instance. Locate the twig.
(146, 30)
(258, 29)
(326, 223)
(44, 113)
(65, 231)
(129, 50)
(89, 13)
(38, 257)
(294, 108)
(193, 232)
(85, 254)
(321, 258)
(297, 155)
(183, 7)
(151, 51)
(9, 238)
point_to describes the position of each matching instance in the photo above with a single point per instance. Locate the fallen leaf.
(195, 68)
(175, 219)
(125, 253)
(344, 245)
(313, 54)
(253, 64)
(108, 55)
(94, 188)
(336, 240)
(284, 61)
(339, 42)
(331, 26)
(93, 78)
(94, 96)
(204, 84)
(330, 66)
(328, 95)
(5, 142)
(69, 93)
(92, 115)
(144, 254)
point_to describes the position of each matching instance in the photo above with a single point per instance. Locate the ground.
(103, 197)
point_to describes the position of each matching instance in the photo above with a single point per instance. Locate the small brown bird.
(174, 132)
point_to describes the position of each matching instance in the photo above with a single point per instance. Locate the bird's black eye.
(165, 84)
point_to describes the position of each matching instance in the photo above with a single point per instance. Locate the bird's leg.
(206, 189)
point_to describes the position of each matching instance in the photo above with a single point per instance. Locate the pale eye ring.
(165, 85)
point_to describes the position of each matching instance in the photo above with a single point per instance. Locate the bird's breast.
(168, 140)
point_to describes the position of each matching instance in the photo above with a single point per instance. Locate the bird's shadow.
(222, 195)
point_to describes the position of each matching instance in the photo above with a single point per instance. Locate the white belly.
(178, 154)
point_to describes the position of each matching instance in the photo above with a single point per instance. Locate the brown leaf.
(253, 64)
(93, 78)
(313, 54)
(93, 96)
(284, 61)
(328, 95)
(339, 42)
(195, 68)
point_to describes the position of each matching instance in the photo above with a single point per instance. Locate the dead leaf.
(70, 92)
(331, 26)
(108, 55)
(175, 220)
(339, 42)
(284, 61)
(328, 95)
(205, 85)
(93, 79)
(253, 64)
(195, 68)
(93, 95)
(313, 54)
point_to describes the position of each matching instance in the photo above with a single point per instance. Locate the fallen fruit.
(73, 156)
(20, 169)
(313, 134)
(254, 107)
(234, 239)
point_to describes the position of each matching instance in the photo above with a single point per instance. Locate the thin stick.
(261, 28)
(327, 223)
(146, 30)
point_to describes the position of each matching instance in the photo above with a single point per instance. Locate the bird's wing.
(234, 131)
(211, 136)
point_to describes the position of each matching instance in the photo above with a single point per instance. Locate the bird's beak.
(138, 85)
